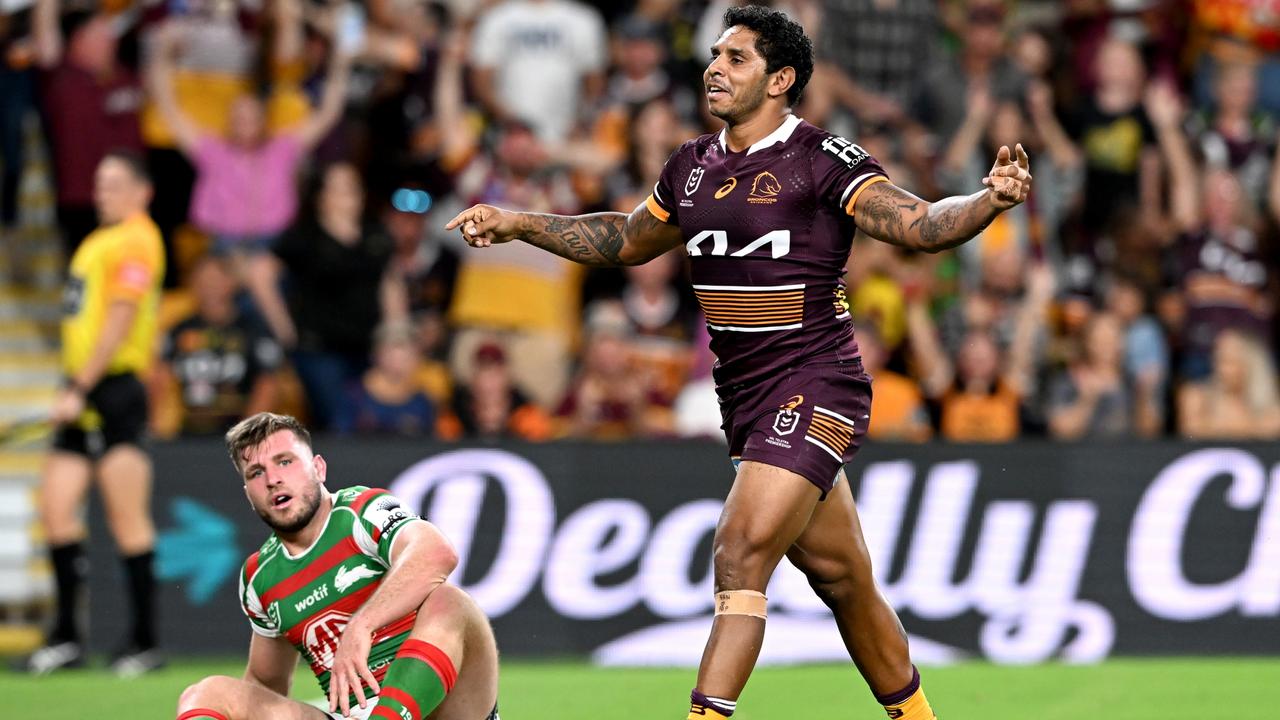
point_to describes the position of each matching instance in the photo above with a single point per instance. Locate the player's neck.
(299, 542)
(751, 130)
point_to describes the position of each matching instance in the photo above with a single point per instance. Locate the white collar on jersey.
(782, 134)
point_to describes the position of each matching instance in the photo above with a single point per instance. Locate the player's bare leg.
(765, 512)
(124, 479)
(64, 484)
(450, 621)
(832, 553)
(227, 698)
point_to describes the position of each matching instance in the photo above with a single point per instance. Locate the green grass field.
(1240, 689)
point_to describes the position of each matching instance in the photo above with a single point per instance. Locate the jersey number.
(779, 242)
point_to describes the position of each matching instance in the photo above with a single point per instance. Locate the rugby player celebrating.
(767, 209)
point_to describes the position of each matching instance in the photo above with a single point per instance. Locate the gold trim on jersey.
(830, 431)
(848, 208)
(657, 210)
(740, 308)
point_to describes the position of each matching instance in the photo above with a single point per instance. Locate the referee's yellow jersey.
(121, 262)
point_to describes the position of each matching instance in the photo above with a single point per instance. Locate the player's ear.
(321, 467)
(782, 81)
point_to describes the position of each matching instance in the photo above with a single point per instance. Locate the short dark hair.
(131, 159)
(255, 429)
(780, 40)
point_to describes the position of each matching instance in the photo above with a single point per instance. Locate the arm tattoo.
(587, 239)
(885, 210)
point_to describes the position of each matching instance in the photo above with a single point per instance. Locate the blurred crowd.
(307, 154)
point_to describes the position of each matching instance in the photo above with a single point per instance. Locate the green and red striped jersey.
(310, 597)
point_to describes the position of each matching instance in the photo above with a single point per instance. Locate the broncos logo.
(765, 188)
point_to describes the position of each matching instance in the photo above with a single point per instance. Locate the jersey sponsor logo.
(779, 242)
(695, 179)
(787, 419)
(727, 187)
(385, 513)
(320, 593)
(844, 151)
(346, 578)
(321, 634)
(764, 189)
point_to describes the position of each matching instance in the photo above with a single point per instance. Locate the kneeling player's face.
(283, 481)
(735, 80)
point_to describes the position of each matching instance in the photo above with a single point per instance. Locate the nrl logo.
(695, 179)
(788, 419)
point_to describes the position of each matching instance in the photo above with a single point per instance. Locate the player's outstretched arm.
(601, 239)
(888, 213)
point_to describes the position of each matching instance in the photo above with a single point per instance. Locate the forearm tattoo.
(887, 210)
(587, 239)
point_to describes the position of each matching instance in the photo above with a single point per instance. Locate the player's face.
(283, 481)
(117, 192)
(736, 80)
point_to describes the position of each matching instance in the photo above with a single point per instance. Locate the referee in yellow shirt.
(108, 338)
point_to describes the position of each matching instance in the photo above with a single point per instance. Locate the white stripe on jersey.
(849, 190)
(770, 328)
(749, 288)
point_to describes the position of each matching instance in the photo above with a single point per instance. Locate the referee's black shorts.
(120, 402)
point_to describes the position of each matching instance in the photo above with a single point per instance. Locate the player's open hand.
(350, 672)
(1010, 179)
(484, 225)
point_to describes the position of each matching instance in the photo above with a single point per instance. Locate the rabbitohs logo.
(788, 419)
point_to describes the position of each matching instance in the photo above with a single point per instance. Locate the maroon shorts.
(809, 421)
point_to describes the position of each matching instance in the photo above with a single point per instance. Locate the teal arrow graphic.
(201, 550)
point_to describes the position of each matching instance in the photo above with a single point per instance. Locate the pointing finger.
(1002, 157)
(1024, 162)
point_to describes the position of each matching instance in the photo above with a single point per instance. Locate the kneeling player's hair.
(780, 40)
(254, 430)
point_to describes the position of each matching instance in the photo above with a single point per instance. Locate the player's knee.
(742, 559)
(214, 690)
(838, 581)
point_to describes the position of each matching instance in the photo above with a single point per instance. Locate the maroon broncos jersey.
(768, 233)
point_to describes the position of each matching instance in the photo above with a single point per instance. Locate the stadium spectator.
(898, 411)
(1221, 269)
(1122, 165)
(539, 309)
(17, 89)
(1234, 133)
(980, 66)
(1095, 397)
(607, 401)
(340, 288)
(664, 321)
(490, 407)
(540, 63)
(388, 399)
(879, 51)
(219, 365)
(980, 397)
(1239, 401)
(84, 87)
(244, 194)
(1146, 350)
